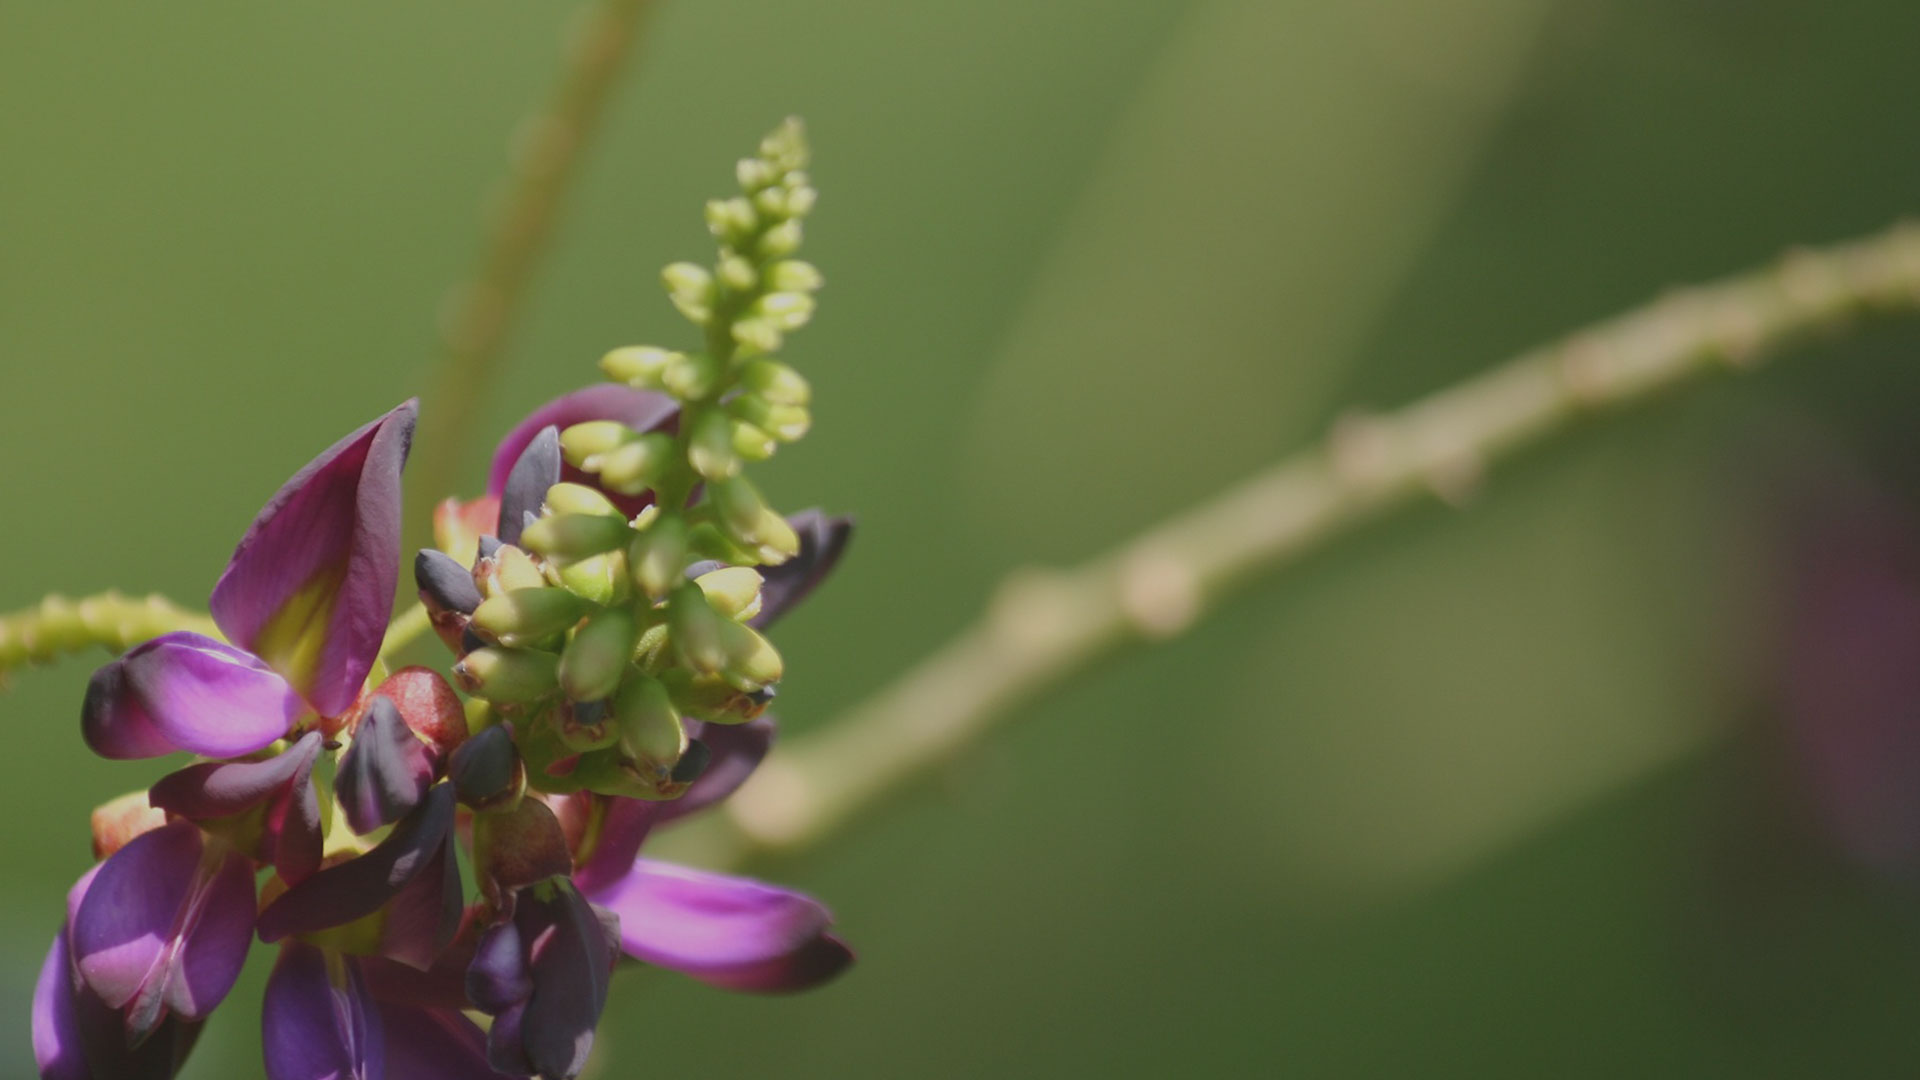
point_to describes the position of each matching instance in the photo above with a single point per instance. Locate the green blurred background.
(1495, 793)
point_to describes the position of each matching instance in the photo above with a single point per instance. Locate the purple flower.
(542, 974)
(305, 600)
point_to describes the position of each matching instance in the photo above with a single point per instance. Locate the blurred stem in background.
(1042, 626)
(480, 313)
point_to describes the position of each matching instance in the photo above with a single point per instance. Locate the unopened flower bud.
(750, 443)
(599, 655)
(508, 676)
(386, 770)
(755, 173)
(693, 377)
(575, 536)
(601, 579)
(738, 274)
(733, 591)
(794, 275)
(639, 366)
(486, 770)
(777, 542)
(657, 556)
(583, 442)
(788, 423)
(775, 382)
(780, 241)
(752, 661)
(522, 617)
(732, 220)
(713, 699)
(698, 631)
(689, 280)
(639, 464)
(578, 499)
(650, 728)
(710, 446)
(801, 199)
(787, 310)
(445, 585)
(505, 567)
(756, 335)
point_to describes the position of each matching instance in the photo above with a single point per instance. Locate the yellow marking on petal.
(291, 642)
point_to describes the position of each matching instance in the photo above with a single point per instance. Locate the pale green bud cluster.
(594, 638)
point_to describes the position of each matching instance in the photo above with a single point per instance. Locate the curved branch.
(57, 626)
(1044, 625)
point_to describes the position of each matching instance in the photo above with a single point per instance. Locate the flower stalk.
(58, 625)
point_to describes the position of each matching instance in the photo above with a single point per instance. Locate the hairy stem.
(58, 625)
(1044, 625)
(480, 313)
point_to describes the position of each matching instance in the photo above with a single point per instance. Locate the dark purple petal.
(434, 1044)
(385, 771)
(638, 409)
(311, 585)
(425, 915)
(506, 1042)
(320, 1025)
(444, 583)
(536, 470)
(735, 751)
(486, 768)
(624, 825)
(823, 540)
(572, 965)
(182, 691)
(281, 788)
(361, 886)
(499, 977)
(165, 926)
(732, 932)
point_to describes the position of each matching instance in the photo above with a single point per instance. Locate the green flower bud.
(786, 310)
(507, 569)
(575, 536)
(599, 655)
(698, 631)
(775, 382)
(520, 617)
(755, 173)
(578, 499)
(788, 423)
(752, 662)
(738, 274)
(732, 220)
(749, 442)
(780, 241)
(755, 336)
(792, 275)
(771, 203)
(712, 698)
(710, 446)
(639, 366)
(801, 200)
(706, 541)
(508, 676)
(582, 443)
(733, 591)
(657, 558)
(785, 147)
(638, 464)
(689, 280)
(777, 542)
(650, 728)
(692, 378)
(741, 508)
(601, 579)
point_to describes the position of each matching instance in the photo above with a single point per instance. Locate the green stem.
(1044, 625)
(59, 625)
(407, 628)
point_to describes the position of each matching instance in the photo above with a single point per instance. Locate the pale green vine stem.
(479, 313)
(1043, 625)
(58, 625)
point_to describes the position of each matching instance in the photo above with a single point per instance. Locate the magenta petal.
(434, 1044)
(638, 409)
(314, 1028)
(728, 931)
(57, 1039)
(163, 927)
(182, 691)
(281, 787)
(737, 750)
(312, 583)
